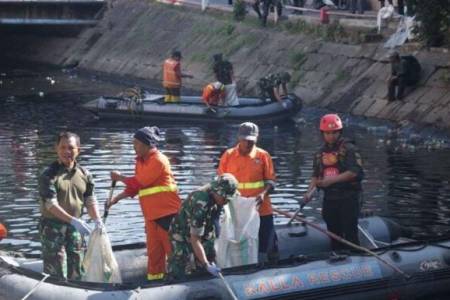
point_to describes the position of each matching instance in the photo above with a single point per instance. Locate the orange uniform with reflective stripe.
(171, 73)
(155, 172)
(250, 171)
(211, 95)
(158, 198)
(3, 231)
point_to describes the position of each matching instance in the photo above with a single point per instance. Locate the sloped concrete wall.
(135, 36)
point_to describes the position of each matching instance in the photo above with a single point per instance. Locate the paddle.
(305, 201)
(342, 240)
(230, 291)
(106, 210)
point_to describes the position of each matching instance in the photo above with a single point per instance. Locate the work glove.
(99, 225)
(80, 226)
(213, 269)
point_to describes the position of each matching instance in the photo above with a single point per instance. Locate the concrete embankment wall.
(135, 36)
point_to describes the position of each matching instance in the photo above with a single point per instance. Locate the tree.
(434, 20)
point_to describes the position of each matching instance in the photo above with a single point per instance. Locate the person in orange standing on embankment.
(154, 183)
(172, 77)
(253, 168)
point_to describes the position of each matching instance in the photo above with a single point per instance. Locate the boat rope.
(36, 286)
(344, 241)
(228, 287)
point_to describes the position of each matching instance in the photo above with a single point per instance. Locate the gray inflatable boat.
(305, 271)
(192, 108)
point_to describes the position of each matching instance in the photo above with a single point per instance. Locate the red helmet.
(330, 122)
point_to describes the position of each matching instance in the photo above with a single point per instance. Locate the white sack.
(231, 98)
(100, 265)
(239, 227)
(384, 13)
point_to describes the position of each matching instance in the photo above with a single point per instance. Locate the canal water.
(407, 169)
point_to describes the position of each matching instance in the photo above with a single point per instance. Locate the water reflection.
(410, 187)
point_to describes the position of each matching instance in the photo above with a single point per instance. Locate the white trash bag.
(237, 244)
(99, 264)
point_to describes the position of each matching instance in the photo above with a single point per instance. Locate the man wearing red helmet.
(337, 169)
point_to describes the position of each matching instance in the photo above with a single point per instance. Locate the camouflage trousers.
(182, 261)
(62, 249)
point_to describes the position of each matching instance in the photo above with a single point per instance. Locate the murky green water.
(405, 178)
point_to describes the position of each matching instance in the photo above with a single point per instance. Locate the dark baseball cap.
(248, 131)
(149, 136)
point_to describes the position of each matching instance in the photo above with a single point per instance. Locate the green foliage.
(333, 32)
(297, 59)
(434, 20)
(342, 75)
(239, 10)
(295, 78)
(227, 29)
(445, 77)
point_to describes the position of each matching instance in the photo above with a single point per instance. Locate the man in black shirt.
(405, 71)
(223, 70)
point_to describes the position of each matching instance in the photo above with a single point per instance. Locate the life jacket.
(211, 95)
(171, 78)
(331, 163)
(3, 231)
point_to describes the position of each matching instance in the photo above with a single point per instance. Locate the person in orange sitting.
(3, 232)
(214, 94)
(172, 77)
(154, 183)
(253, 168)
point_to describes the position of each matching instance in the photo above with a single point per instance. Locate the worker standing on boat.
(223, 69)
(214, 94)
(192, 232)
(65, 188)
(337, 169)
(172, 77)
(154, 183)
(253, 168)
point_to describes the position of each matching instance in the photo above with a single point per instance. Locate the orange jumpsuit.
(252, 172)
(172, 79)
(157, 190)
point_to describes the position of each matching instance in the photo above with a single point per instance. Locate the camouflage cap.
(225, 185)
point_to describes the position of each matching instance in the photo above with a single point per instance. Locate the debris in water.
(41, 94)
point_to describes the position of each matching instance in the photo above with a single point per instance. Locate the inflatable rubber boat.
(192, 108)
(305, 271)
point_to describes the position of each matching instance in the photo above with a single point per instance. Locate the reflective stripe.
(155, 276)
(250, 185)
(157, 189)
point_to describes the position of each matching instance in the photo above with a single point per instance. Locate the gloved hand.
(99, 225)
(81, 226)
(213, 269)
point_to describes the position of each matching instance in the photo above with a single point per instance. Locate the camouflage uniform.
(62, 244)
(267, 83)
(197, 217)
